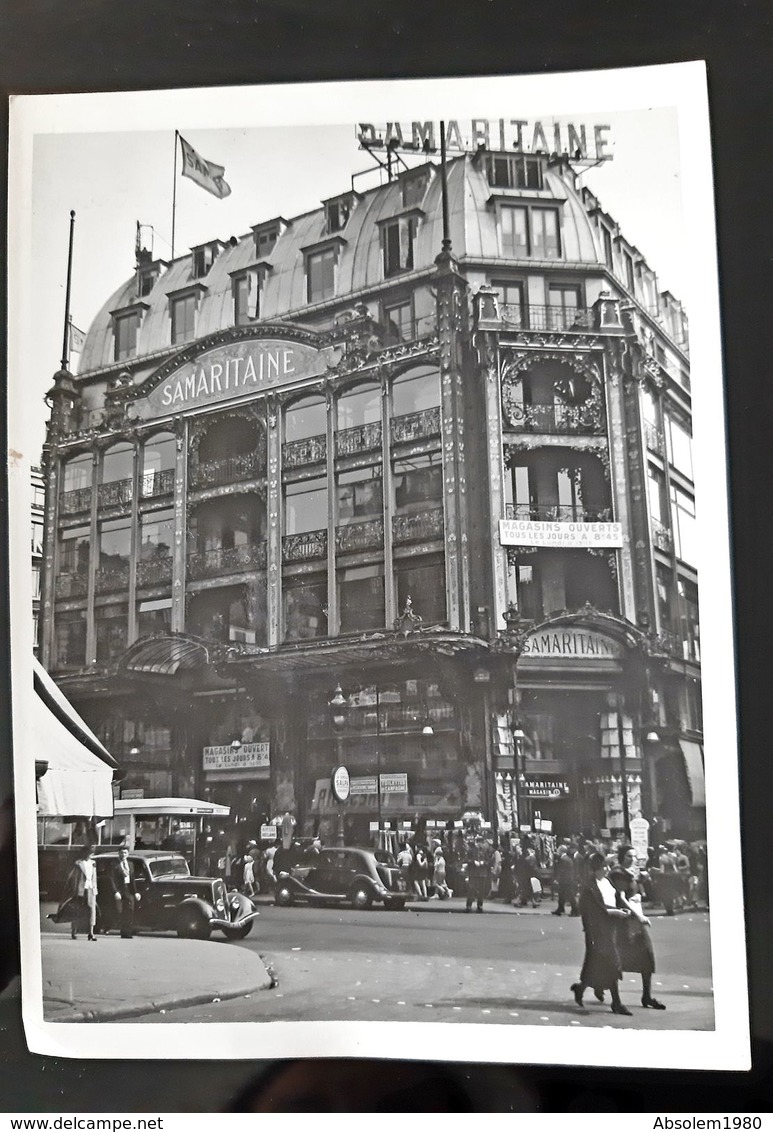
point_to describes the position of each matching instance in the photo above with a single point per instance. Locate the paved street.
(438, 964)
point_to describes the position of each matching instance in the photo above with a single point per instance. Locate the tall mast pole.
(174, 190)
(444, 189)
(66, 333)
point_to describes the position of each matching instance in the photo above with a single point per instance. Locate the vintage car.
(171, 899)
(344, 876)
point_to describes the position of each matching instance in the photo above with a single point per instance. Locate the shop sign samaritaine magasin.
(544, 788)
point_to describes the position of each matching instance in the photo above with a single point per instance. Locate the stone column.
(180, 548)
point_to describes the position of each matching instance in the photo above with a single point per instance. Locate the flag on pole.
(77, 339)
(205, 173)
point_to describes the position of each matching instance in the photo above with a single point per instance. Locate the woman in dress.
(599, 909)
(81, 893)
(633, 939)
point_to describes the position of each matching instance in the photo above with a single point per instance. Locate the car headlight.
(220, 905)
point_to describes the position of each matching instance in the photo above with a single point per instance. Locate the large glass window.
(305, 608)
(514, 171)
(156, 535)
(398, 318)
(515, 231)
(679, 445)
(305, 506)
(359, 406)
(684, 526)
(563, 302)
(425, 583)
(512, 301)
(154, 616)
(229, 613)
(361, 598)
(320, 275)
(655, 490)
(114, 542)
(418, 483)
(111, 629)
(118, 463)
(71, 638)
(545, 242)
(687, 602)
(415, 391)
(74, 550)
(305, 418)
(77, 472)
(360, 495)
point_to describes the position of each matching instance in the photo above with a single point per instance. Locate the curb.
(151, 1006)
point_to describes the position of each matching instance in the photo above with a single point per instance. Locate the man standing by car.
(126, 894)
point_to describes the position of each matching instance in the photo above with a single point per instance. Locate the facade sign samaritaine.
(571, 644)
(228, 372)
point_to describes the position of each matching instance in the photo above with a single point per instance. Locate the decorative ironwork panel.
(112, 578)
(535, 317)
(71, 585)
(232, 469)
(311, 450)
(557, 418)
(73, 502)
(421, 526)
(661, 536)
(416, 426)
(362, 438)
(300, 548)
(227, 560)
(360, 536)
(559, 513)
(153, 571)
(154, 484)
(653, 437)
(116, 494)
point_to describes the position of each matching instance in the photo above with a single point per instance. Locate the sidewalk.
(118, 978)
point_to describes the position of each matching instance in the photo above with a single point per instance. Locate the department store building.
(439, 477)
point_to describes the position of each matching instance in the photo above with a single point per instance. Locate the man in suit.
(126, 894)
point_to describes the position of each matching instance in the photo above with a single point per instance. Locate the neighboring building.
(38, 508)
(283, 450)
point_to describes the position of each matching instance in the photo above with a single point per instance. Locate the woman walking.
(601, 967)
(633, 938)
(81, 894)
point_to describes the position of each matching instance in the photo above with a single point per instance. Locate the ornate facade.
(449, 476)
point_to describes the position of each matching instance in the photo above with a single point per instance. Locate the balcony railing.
(115, 494)
(227, 560)
(232, 469)
(559, 513)
(421, 526)
(546, 318)
(155, 484)
(154, 571)
(661, 536)
(558, 418)
(71, 585)
(653, 437)
(361, 438)
(73, 502)
(416, 426)
(310, 450)
(360, 536)
(112, 579)
(303, 547)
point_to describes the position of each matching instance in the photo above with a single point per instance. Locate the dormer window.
(266, 235)
(515, 171)
(126, 326)
(398, 237)
(148, 274)
(246, 287)
(413, 188)
(321, 262)
(337, 212)
(203, 258)
(183, 306)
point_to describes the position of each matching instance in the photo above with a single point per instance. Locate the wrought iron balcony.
(546, 317)
(227, 560)
(421, 526)
(112, 579)
(661, 536)
(155, 484)
(154, 571)
(558, 513)
(653, 437)
(303, 547)
(73, 502)
(115, 494)
(416, 426)
(558, 417)
(362, 438)
(310, 450)
(71, 585)
(231, 469)
(360, 536)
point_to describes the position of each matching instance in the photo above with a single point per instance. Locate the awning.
(169, 807)
(78, 779)
(166, 655)
(693, 762)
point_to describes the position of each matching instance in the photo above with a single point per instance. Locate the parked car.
(173, 900)
(344, 876)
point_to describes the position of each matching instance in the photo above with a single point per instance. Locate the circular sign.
(341, 783)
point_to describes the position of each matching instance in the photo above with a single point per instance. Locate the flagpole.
(174, 190)
(66, 335)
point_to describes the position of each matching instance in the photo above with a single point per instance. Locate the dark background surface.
(74, 45)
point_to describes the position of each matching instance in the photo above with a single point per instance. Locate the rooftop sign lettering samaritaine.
(228, 372)
(579, 140)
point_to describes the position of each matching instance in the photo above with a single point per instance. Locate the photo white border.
(680, 86)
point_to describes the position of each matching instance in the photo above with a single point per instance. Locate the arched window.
(416, 390)
(360, 405)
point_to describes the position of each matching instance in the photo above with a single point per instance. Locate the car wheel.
(283, 895)
(394, 904)
(361, 896)
(237, 933)
(192, 925)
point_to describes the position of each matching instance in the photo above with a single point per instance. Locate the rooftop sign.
(228, 372)
(579, 140)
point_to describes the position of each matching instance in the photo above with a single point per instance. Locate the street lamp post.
(623, 771)
(518, 738)
(338, 708)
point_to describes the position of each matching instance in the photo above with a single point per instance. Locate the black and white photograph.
(372, 442)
